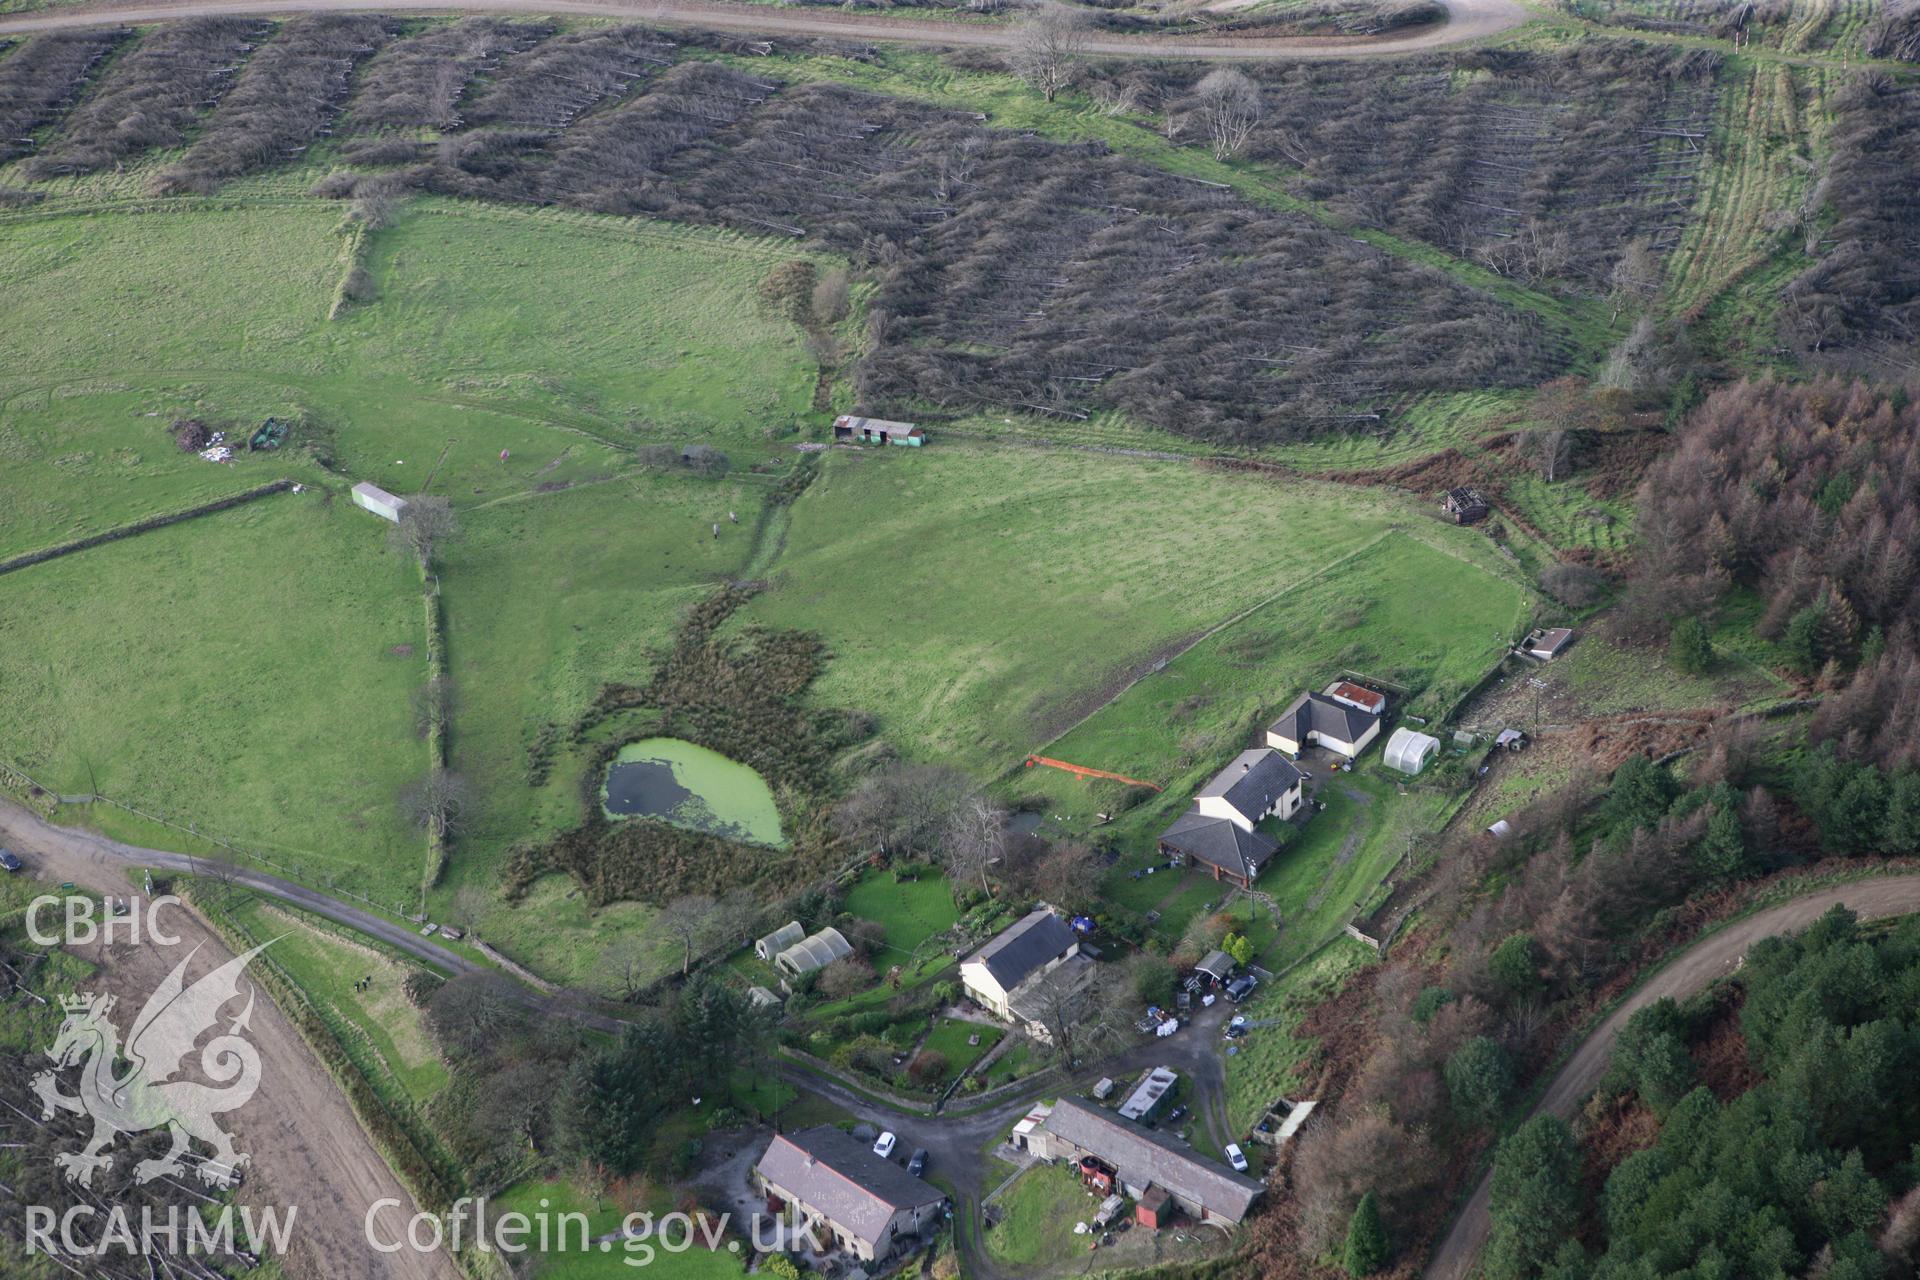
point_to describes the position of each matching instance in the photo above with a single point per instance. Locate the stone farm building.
(1159, 1172)
(868, 1203)
(1219, 831)
(1341, 724)
(1027, 970)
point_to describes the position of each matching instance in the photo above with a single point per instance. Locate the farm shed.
(779, 940)
(1144, 1160)
(371, 497)
(1218, 965)
(1357, 696)
(1408, 750)
(816, 952)
(1547, 643)
(877, 431)
(1155, 1087)
(1465, 505)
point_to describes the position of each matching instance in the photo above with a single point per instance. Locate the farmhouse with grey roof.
(1141, 1159)
(1025, 971)
(869, 1203)
(1314, 719)
(1259, 784)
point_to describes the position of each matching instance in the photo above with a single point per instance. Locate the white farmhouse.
(1260, 783)
(1024, 973)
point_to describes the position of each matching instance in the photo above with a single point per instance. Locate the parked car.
(1236, 1157)
(1177, 1114)
(918, 1165)
(8, 862)
(1241, 987)
(885, 1145)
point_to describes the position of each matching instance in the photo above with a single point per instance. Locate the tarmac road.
(1711, 958)
(1466, 20)
(96, 862)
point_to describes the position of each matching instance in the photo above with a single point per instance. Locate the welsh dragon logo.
(146, 1096)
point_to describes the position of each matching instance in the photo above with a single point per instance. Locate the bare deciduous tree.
(438, 802)
(974, 840)
(904, 811)
(1047, 48)
(695, 920)
(626, 960)
(468, 908)
(1230, 103)
(426, 525)
(1552, 451)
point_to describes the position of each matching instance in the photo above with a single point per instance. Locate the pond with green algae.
(691, 786)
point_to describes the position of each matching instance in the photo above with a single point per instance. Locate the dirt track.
(1467, 20)
(307, 1147)
(1692, 970)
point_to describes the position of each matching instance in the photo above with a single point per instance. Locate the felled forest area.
(1538, 164)
(418, 83)
(1859, 304)
(1013, 271)
(1878, 28)
(288, 95)
(42, 79)
(154, 95)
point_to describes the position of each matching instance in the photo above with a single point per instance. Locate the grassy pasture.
(574, 566)
(980, 601)
(1424, 606)
(248, 671)
(393, 1047)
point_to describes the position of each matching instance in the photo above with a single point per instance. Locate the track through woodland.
(1707, 961)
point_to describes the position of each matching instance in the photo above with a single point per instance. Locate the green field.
(390, 1042)
(1418, 606)
(911, 911)
(1017, 587)
(291, 632)
(248, 672)
(568, 1211)
(1037, 1216)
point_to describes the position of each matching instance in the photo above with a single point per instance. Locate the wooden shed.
(1465, 505)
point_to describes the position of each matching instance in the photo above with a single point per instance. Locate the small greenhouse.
(1408, 750)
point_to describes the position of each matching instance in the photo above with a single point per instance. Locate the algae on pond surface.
(691, 786)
